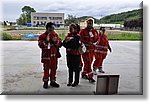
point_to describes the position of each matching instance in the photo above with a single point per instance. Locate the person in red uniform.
(49, 42)
(81, 63)
(72, 44)
(88, 36)
(101, 49)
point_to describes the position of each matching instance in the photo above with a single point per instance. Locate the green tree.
(71, 19)
(22, 20)
(27, 11)
(26, 16)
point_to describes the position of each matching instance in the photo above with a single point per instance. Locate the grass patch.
(121, 36)
(61, 28)
(31, 29)
(125, 36)
(62, 36)
(41, 28)
(9, 27)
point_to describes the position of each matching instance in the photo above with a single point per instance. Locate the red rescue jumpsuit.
(87, 57)
(49, 56)
(101, 51)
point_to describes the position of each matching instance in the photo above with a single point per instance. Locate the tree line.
(134, 24)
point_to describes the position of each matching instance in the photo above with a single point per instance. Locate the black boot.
(91, 80)
(45, 85)
(54, 84)
(80, 68)
(69, 84)
(74, 84)
(84, 76)
(100, 70)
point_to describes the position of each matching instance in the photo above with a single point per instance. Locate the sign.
(107, 84)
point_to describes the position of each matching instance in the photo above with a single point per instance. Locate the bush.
(16, 37)
(6, 36)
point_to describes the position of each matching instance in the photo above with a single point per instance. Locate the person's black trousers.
(73, 62)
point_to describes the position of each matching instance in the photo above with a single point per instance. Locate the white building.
(110, 26)
(40, 19)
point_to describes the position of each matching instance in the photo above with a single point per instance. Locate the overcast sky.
(11, 9)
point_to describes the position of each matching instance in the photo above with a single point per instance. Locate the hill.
(113, 19)
(121, 17)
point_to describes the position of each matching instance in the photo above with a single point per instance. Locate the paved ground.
(22, 70)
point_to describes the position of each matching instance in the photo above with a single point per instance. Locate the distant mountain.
(121, 17)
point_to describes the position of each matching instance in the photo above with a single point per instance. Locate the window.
(55, 18)
(34, 17)
(41, 18)
(50, 18)
(59, 18)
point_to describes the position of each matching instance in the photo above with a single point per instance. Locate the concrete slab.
(22, 70)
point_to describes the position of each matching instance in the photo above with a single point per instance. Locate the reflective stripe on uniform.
(68, 49)
(88, 45)
(46, 58)
(87, 50)
(105, 52)
(51, 45)
(53, 55)
(101, 46)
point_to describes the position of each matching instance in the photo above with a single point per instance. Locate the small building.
(83, 22)
(40, 19)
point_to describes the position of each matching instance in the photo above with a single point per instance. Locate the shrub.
(5, 36)
(8, 36)
(16, 37)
